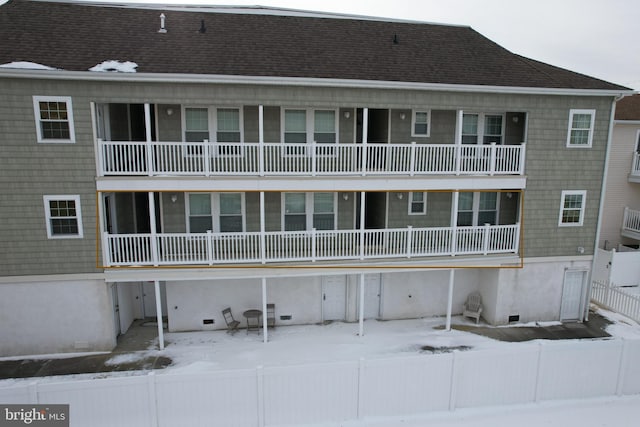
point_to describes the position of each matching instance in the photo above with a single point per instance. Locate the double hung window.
(420, 125)
(581, 128)
(303, 211)
(417, 203)
(572, 207)
(479, 208)
(218, 212)
(223, 124)
(63, 217)
(482, 128)
(302, 126)
(54, 119)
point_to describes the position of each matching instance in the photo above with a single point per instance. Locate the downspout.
(601, 207)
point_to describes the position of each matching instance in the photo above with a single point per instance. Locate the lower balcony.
(634, 176)
(212, 249)
(631, 224)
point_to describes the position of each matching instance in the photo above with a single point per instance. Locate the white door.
(572, 293)
(372, 292)
(334, 297)
(116, 308)
(149, 299)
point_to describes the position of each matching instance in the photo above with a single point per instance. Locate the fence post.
(313, 244)
(210, 247)
(523, 148)
(409, 240)
(314, 156)
(485, 236)
(412, 161)
(361, 390)
(622, 362)
(453, 391)
(492, 164)
(106, 252)
(516, 239)
(206, 155)
(539, 368)
(458, 153)
(153, 399)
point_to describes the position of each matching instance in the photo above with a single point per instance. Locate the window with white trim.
(218, 212)
(301, 126)
(54, 119)
(478, 208)
(417, 203)
(196, 124)
(420, 123)
(572, 206)
(580, 132)
(324, 131)
(63, 217)
(482, 128)
(303, 211)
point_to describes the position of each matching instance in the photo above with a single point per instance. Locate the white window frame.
(212, 121)
(572, 113)
(309, 209)
(310, 126)
(411, 201)
(214, 200)
(481, 130)
(78, 217)
(36, 112)
(413, 123)
(566, 193)
(475, 208)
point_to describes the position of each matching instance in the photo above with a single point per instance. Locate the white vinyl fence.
(341, 391)
(617, 298)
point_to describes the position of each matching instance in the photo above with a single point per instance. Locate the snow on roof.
(115, 66)
(26, 66)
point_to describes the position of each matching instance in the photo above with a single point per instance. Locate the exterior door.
(372, 292)
(116, 308)
(149, 299)
(572, 293)
(334, 297)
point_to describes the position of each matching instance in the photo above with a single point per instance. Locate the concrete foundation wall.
(55, 317)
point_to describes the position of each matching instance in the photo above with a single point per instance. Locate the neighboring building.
(621, 213)
(332, 165)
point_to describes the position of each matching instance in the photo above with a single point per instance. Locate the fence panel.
(495, 377)
(15, 395)
(311, 394)
(578, 369)
(406, 386)
(630, 369)
(105, 402)
(228, 398)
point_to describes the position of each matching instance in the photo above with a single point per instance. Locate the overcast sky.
(599, 38)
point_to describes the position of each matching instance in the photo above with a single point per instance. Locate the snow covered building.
(174, 161)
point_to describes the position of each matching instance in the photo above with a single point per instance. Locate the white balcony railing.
(635, 165)
(631, 221)
(260, 159)
(314, 245)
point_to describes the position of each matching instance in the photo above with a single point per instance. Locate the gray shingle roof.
(76, 37)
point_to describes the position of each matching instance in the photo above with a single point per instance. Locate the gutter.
(299, 81)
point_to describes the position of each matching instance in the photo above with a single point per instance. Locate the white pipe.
(265, 333)
(450, 299)
(156, 285)
(361, 314)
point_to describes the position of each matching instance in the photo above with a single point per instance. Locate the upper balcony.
(634, 176)
(631, 224)
(130, 158)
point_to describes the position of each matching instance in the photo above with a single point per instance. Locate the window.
(63, 216)
(323, 211)
(420, 125)
(324, 126)
(295, 126)
(303, 211)
(476, 209)
(228, 125)
(231, 212)
(572, 208)
(580, 128)
(482, 128)
(54, 119)
(302, 126)
(196, 124)
(295, 213)
(218, 212)
(199, 213)
(417, 203)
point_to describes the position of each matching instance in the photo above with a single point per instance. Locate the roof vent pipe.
(162, 29)
(395, 39)
(202, 29)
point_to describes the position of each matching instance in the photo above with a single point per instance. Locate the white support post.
(97, 142)
(450, 299)
(458, 141)
(101, 230)
(454, 222)
(409, 240)
(523, 153)
(412, 161)
(314, 157)
(261, 140)
(263, 237)
(156, 285)
(265, 333)
(362, 213)
(516, 240)
(361, 307)
(365, 136)
(206, 157)
(492, 165)
(485, 238)
(154, 232)
(314, 236)
(210, 247)
(147, 127)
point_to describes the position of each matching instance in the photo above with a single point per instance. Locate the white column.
(362, 213)
(265, 333)
(261, 140)
(454, 221)
(152, 225)
(361, 314)
(458, 140)
(101, 228)
(450, 299)
(263, 249)
(147, 128)
(156, 284)
(365, 137)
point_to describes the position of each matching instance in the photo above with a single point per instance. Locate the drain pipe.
(587, 299)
